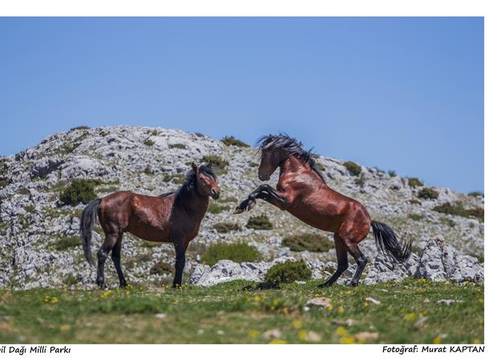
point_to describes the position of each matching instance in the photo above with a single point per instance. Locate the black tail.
(87, 221)
(386, 239)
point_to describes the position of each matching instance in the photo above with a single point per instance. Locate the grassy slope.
(228, 314)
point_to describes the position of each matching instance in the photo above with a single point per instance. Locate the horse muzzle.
(214, 194)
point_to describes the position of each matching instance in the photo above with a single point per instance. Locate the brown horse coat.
(174, 217)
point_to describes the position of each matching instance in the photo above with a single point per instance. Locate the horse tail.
(386, 239)
(87, 221)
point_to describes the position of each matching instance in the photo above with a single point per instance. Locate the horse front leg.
(180, 262)
(266, 193)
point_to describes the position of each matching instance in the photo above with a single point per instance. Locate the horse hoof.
(354, 283)
(238, 210)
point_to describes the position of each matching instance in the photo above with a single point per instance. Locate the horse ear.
(194, 167)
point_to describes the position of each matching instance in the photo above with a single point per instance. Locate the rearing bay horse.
(303, 192)
(173, 217)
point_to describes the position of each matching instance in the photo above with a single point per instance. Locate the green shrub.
(308, 241)
(353, 168)
(79, 191)
(392, 173)
(288, 272)
(229, 199)
(30, 208)
(217, 163)
(415, 182)
(428, 194)
(177, 146)
(232, 141)
(175, 178)
(70, 280)
(161, 268)
(360, 180)
(154, 132)
(416, 217)
(149, 142)
(4, 182)
(237, 252)
(67, 242)
(259, 222)
(476, 194)
(459, 210)
(225, 227)
(216, 208)
(81, 127)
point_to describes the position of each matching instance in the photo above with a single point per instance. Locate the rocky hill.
(39, 234)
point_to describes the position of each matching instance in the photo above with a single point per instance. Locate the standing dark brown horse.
(173, 217)
(303, 192)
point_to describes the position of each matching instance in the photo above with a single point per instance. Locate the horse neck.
(292, 165)
(193, 202)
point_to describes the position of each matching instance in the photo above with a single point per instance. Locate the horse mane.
(292, 147)
(189, 183)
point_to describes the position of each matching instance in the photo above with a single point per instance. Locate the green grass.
(237, 252)
(228, 314)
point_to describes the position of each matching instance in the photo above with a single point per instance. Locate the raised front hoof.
(246, 205)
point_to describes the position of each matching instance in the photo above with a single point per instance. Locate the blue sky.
(397, 93)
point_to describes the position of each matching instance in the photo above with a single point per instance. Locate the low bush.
(217, 163)
(476, 194)
(416, 217)
(149, 142)
(458, 209)
(216, 208)
(175, 178)
(232, 141)
(428, 194)
(415, 182)
(353, 168)
(288, 272)
(392, 173)
(259, 222)
(177, 146)
(161, 268)
(237, 252)
(67, 242)
(4, 182)
(308, 241)
(79, 191)
(225, 227)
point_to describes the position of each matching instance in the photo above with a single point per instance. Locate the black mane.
(190, 182)
(291, 146)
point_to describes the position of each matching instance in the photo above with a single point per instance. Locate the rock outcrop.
(39, 236)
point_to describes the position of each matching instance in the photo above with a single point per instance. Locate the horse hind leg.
(110, 240)
(116, 257)
(342, 263)
(361, 262)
